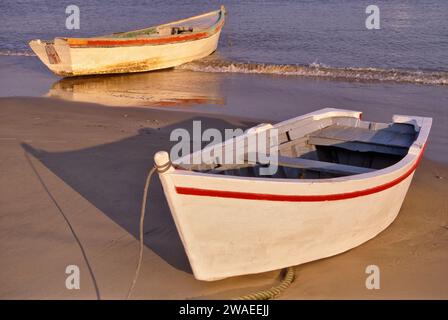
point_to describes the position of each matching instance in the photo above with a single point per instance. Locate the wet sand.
(254, 96)
(71, 183)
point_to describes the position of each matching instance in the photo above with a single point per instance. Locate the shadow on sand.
(111, 176)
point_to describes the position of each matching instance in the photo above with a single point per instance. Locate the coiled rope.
(274, 291)
(259, 295)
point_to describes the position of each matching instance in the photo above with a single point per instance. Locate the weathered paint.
(75, 43)
(124, 67)
(106, 55)
(53, 57)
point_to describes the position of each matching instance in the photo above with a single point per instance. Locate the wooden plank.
(358, 146)
(386, 137)
(308, 128)
(329, 167)
(298, 163)
(294, 146)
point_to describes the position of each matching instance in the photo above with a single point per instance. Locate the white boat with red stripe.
(340, 181)
(158, 47)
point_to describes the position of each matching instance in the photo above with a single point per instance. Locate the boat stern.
(422, 126)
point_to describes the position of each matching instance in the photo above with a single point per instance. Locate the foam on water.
(317, 70)
(16, 53)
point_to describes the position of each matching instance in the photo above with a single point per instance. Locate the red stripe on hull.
(297, 198)
(131, 42)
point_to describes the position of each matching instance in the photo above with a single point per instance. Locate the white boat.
(340, 181)
(153, 48)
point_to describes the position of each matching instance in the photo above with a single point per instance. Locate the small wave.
(317, 70)
(17, 53)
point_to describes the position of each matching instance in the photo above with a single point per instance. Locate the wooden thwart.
(328, 167)
(298, 163)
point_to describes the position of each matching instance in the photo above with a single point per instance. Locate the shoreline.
(269, 98)
(87, 163)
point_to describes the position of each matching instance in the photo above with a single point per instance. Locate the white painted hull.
(225, 234)
(76, 57)
(229, 237)
(87, 61)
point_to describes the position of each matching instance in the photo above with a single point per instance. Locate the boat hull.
(235, 225)
(225, 236)
(77, 61)
(160, 47)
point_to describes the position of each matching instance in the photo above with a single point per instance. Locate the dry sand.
(70, 189)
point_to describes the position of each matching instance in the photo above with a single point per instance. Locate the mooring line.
(259, 295)
(274, 291)
(160, 169)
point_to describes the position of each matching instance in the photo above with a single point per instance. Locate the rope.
(274, 291)
(259, 295)
(160, 169)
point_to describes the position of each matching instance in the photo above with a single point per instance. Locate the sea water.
(321, 38)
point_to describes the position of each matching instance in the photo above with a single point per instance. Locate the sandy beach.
(71, 183)
(90, 92)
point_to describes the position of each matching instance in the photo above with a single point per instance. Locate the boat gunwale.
(407, 160)
(410, 161)
(302, 197)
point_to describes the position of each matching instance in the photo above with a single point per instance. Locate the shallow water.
(302, 37)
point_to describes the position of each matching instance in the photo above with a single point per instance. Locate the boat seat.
(298, 163)
(322, 166)
(328, 167)
(386, 140)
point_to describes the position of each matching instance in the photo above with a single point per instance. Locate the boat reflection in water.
(169, 88)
